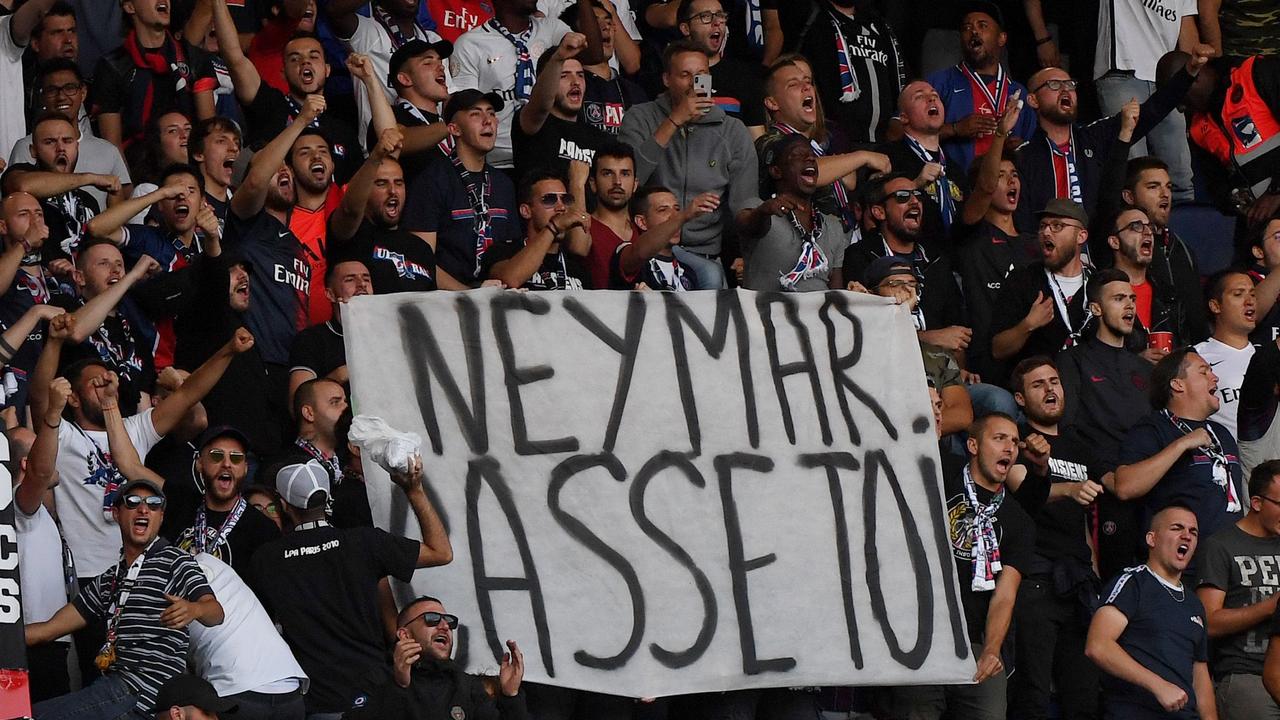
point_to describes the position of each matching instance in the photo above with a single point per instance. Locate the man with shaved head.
(919, 154)
(1063, 158)
(25, 282)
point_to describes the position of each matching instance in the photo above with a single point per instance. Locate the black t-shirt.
(250, 532)
(66, 215)
(605, 101)
(243, 396)
(1020, 290)
(410, 116)
(398, 260)
(319, 349)
(440, 205)
(1190, 481)
(1015, 533)
(985, 258)
(321, 585)
(555, 144)
(350, 504)
(1062, 525)
(879, 72)
(739, 90)
(279, 281)
(120, 86)
(560, 270)
(26, 291)
(1166, 635)
(272, 111)
(119, 344)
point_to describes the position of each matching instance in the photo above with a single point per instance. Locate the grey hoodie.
(712, 154)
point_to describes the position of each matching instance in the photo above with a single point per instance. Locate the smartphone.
(702, 84)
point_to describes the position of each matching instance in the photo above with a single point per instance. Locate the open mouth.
(1065, 103)
(1250, 313)
(225, 482)
(807, 103)
(242, 290)
(284, 181)
(440, 78)
(1051, 400)
(113, 280)
(182, 211)
(575, 95)
(975, 43)
(1146, 247)
(1164, 204)
(715, 37)
(61, 162)
(1012, 197)
(62, 107)
(1003, 465)
(934, 111)
(229, 162)
(440, 640)
(141, 525)
(392, 206)
(1183, 550)
(162, 7)
(809, 174)
(1048, 246)
(913, 213)
(319, 170)
(306, 74)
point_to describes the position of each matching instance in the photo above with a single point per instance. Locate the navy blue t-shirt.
(1190, 481)
(1165, 634)
(165, 247)
(280, 280)
(440, 205)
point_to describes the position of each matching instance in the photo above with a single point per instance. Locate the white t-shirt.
(13, 121)
(485, 60)
(244, 653)
(96, 156)
(1138, 35)
(93, 536)
(44, 590)
(371, 39)
(1229, 364)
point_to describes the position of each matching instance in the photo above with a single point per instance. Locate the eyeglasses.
(433, 618)
(1138, 226)
(68, 89)
(895, 284)
(218, 455)
(1058, 85)
(550, 199)
(904, 196)
(153, 502)
(1055, 226)
(706, 18)
(268, 509)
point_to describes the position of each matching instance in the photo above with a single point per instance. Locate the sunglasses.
(433, 618)
(550, 199)
(268, 509)
(904, 196)
(153, 502)
(218, 455)
(1058, 85)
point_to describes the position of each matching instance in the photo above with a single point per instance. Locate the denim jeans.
(708, 273)
(108, 698)
(1167, 141)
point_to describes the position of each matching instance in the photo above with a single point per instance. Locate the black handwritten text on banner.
(660, 493)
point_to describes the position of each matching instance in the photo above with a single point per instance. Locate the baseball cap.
(185, 690)
(299, 482)
(982, 6)
(416, 47)
(1064, 208)
(467, 99)
(222, 431)
(135, 484)
(883, 267)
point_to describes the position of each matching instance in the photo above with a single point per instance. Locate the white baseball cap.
(297, 483)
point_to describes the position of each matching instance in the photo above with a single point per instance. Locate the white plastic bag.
(389, 448)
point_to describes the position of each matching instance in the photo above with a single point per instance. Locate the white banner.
(662, 493)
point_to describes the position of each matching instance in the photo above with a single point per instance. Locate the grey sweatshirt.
(712, 154)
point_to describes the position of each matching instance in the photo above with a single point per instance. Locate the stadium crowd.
(195, 188)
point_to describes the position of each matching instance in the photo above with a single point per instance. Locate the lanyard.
(838, 189)
(229, 524)
(942, 186)
(391, 27)
(311, 525)
(985, 545)
(330, 462)
(1221, 464)
(999, 97)
(113, 481)
(1061, 300)
(1074, 192)
(120, 590)
(478, 195)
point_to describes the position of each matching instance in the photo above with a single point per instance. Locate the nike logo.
(958, 90)
(284, 234)
(1217, 363)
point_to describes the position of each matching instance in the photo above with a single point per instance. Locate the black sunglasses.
(903, 196)
(549, 200)
(153, 502)
(433, 618)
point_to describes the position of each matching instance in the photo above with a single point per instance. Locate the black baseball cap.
(221, 431)
(185, 690)
(412, 49)
(982, 6)
(883, 267)
(134, 485)
(467, 99)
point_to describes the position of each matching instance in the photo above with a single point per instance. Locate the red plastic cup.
(1160, 340)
